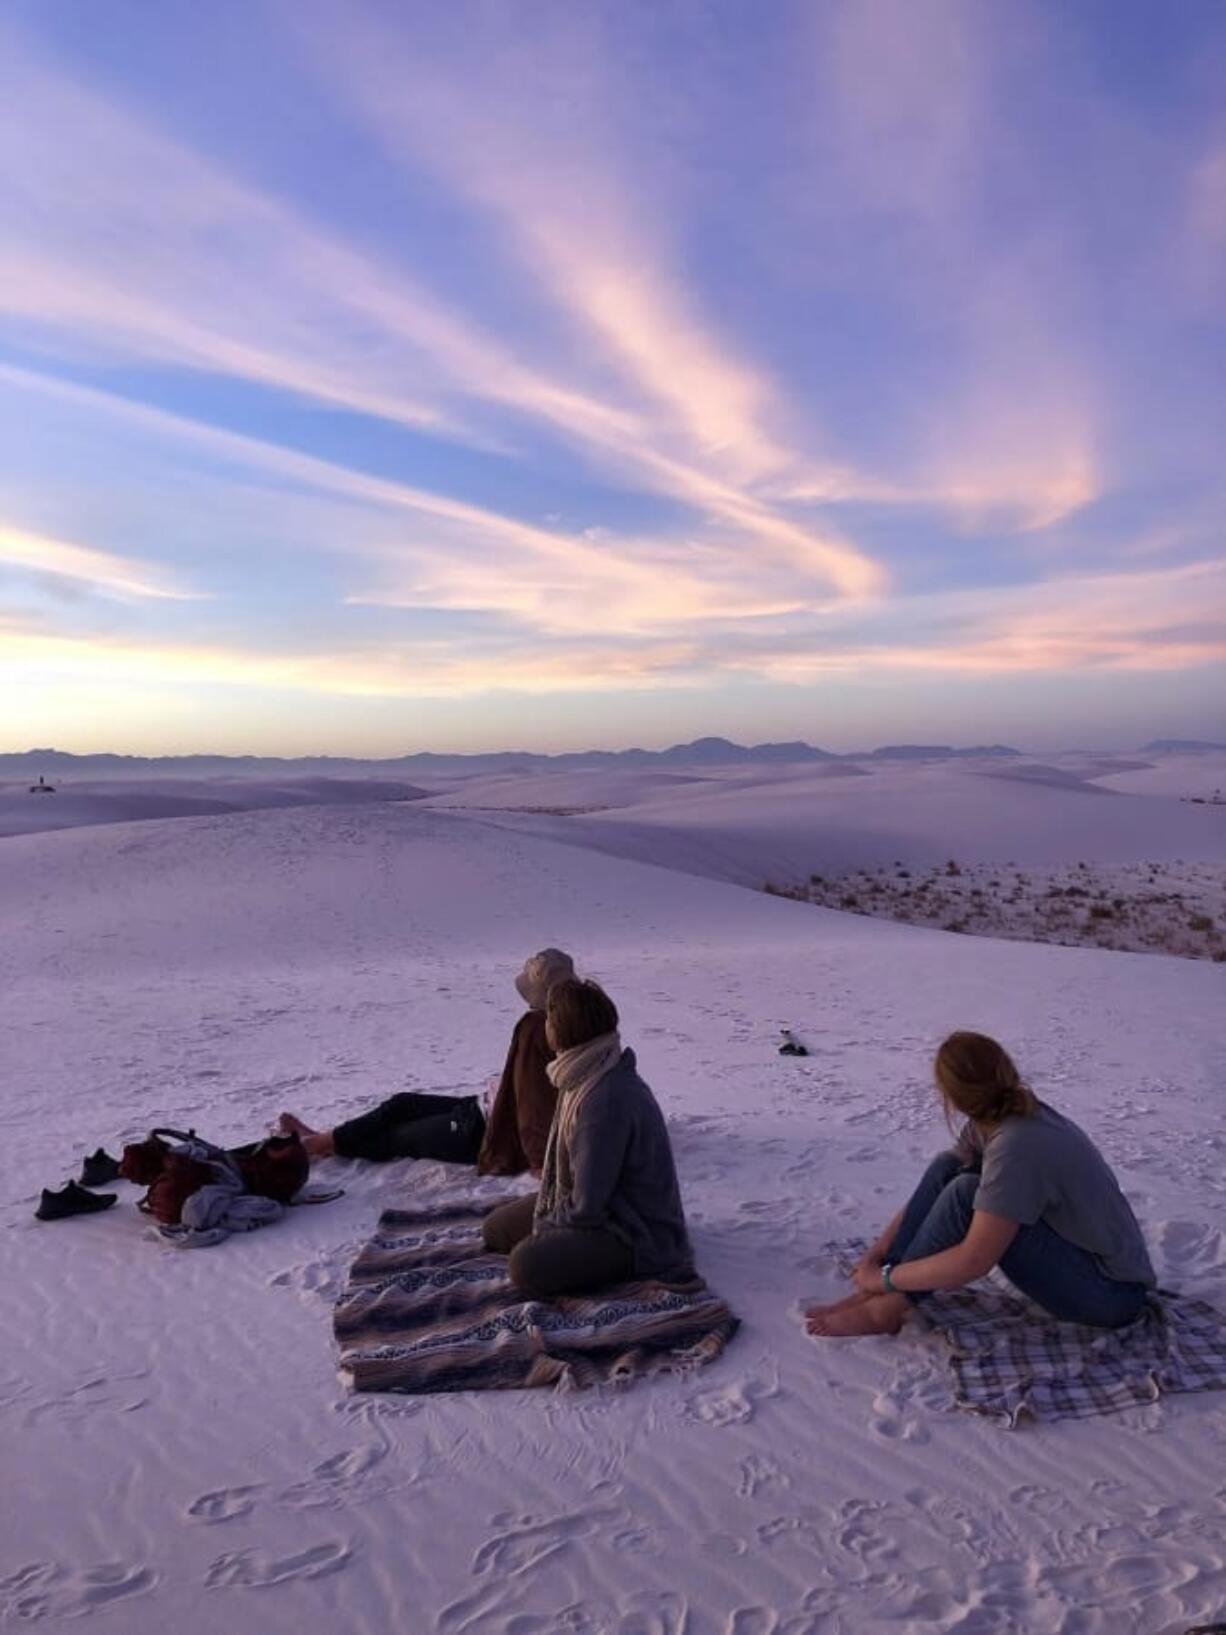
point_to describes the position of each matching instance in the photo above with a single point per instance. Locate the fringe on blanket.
(428, 1309)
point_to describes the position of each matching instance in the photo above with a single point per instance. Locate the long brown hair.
(977, 1078)
(578, 1012)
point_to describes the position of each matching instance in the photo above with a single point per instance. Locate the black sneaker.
(72, 1200)
(99, 1169)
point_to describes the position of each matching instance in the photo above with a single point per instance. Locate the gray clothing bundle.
(221, 1207)
(1045, 1168)
(619, 1165)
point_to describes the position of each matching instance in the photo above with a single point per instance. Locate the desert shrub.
(817, 880)
(1101, 911)
(1200, 922)
(952, 867)
(849, 900)
(1219, 956)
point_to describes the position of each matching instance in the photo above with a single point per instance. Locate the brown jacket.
(519, 1121)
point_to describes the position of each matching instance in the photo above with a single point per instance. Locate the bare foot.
(317, 1143)
(872, 1314)
(815, 1315)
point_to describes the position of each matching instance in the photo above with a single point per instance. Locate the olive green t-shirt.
(1045, 1168)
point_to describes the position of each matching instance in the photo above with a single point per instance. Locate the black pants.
(447, 1128)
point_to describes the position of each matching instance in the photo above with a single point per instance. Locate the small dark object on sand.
(1206, 1629)
(99, 1169)
(72, 1200)
(791, 1046)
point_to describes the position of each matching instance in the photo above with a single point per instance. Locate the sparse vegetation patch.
(1156, 908)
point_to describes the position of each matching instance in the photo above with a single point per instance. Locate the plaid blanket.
(428, 1309)
(1010, 1359)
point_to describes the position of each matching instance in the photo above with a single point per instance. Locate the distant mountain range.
(710, 752)
(702, 752)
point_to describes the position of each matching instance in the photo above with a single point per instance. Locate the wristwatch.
(887, 1282)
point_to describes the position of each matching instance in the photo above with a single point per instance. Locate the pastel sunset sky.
(562, 374)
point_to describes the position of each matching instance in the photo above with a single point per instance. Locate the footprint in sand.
(224, 1504)
(1191, 1247)
(733, 1404)
(757, 1472)
(337, 1478)
(520, 1548)
(645, 1612)
(114, 1391)
(251, 1570)
(44, 1589)
(319, 1279)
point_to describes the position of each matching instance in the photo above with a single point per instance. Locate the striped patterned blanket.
(1012, 1361)
(428, 1309)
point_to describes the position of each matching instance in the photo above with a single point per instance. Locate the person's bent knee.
(945, 1167)
(497, 1237)
(527, 1271)
(963, 1187)
(503, 1228)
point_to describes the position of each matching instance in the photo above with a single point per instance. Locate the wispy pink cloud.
(103, 571)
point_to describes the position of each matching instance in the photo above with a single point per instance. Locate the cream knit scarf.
(573, 1073)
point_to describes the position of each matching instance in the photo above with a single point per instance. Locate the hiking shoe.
(72, 1200)
(99, 1169)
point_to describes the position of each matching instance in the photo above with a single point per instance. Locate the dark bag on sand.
(142, 1161)
(276, 1168)
(179, 1177)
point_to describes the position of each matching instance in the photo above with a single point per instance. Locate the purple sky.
(379, 377)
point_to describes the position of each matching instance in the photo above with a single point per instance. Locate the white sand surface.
(178, 1450)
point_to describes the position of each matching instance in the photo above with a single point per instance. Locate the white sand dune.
(1186, 776)
(178, 1450)
(83, 803)
(781, 824)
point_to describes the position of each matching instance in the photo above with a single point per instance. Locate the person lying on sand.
(507, 1140)
(1024, 1189)
(609, 1205)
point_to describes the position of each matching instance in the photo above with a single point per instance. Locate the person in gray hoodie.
(609, 1205)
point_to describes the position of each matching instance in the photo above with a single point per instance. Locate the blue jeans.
(1056, 1274)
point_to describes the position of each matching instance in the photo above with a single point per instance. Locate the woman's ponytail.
(977, 1078)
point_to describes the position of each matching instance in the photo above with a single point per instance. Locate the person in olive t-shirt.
(1024, 1189)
